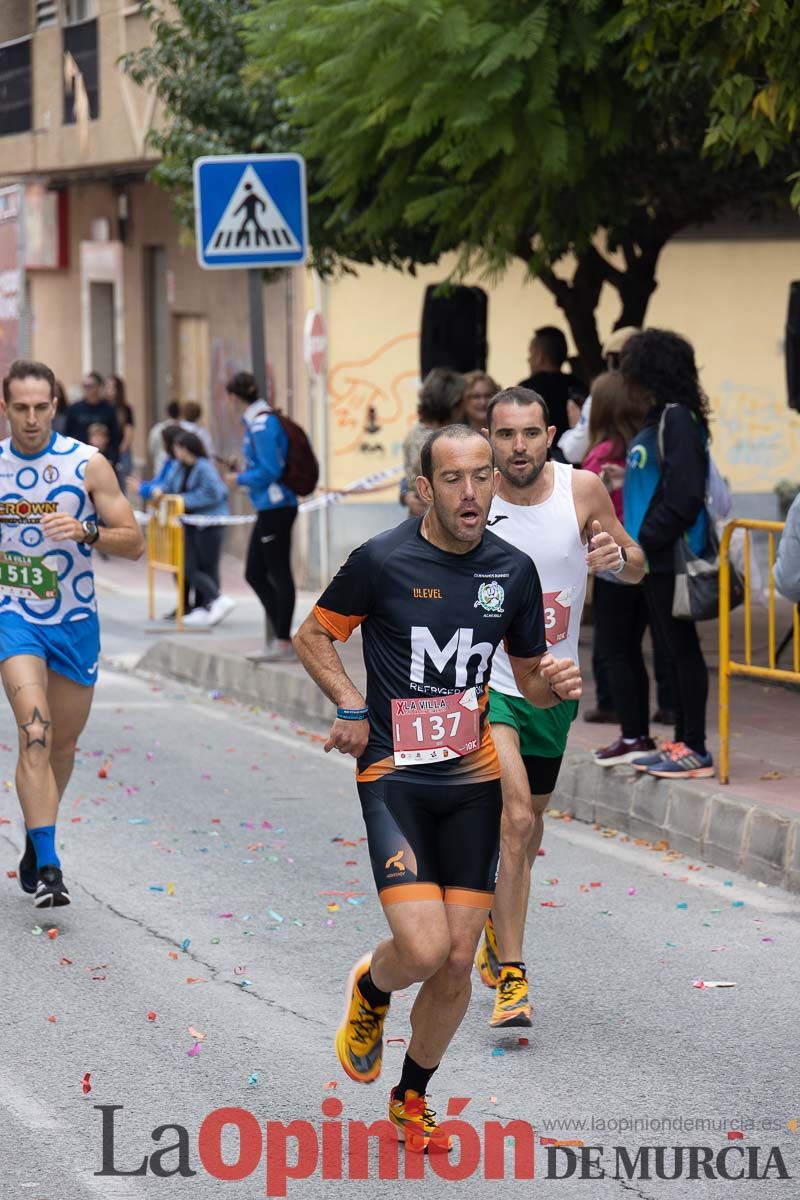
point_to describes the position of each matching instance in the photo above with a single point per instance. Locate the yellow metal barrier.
(727, 666)
(165, 551)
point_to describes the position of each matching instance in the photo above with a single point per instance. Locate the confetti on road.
(631, 891)
(498, 1053)
(682, 904)
(85, 1084)
(711, 983)
(52, 1020)
(151, 1016)
(52, 934)
(37, 929)
(737, 904)
(198, 1037)
(195, 1050)
(253, 1080)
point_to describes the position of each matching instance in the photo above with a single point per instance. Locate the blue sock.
(44, 842)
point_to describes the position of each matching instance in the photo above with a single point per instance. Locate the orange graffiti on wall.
(373, 400)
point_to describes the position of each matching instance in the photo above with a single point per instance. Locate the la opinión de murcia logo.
(337, 1149)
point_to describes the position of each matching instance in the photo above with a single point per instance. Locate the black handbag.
(697, 577)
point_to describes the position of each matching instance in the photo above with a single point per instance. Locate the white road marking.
(28, 1112)
(296, 743)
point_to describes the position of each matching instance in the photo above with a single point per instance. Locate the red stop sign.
(316, 339)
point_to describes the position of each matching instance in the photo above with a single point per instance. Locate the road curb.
(696, 817)
(284, 689)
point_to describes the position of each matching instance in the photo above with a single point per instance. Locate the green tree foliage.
(542, 130)
(503, 128)
(195, 64)
(751, 50)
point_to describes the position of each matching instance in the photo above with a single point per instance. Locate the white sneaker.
(219, 609)
(197, 618)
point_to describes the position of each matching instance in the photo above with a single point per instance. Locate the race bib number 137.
(433, 729)
(27, 578)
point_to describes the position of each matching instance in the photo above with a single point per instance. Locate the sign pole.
(258, 346)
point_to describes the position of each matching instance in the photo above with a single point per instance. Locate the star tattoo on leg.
(36, 730)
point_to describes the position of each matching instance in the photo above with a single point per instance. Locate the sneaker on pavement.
(51, 891)
(512, 1006)
(651, 760)
(219, 609)
(198, 618)
(487, 960)
(623, 751)
(26, 867)
(359, 1038)
(685, 763)
(600, 716)
(415, 1122)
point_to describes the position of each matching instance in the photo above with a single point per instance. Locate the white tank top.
(31, 485)
(549, 534)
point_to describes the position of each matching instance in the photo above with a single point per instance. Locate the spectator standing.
(547, 354)
(155, 488)
(620, 610)
(193, 476)
(574, 443)
(155, 444)
(93, 409)
(478, 391)
(786, 571)
(113, 390)
(192, 422)
(441, 394)
(265, 447)
(664, 500)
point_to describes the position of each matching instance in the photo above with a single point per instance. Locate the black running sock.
(519, 965)
(372, 994)
(414, 1078)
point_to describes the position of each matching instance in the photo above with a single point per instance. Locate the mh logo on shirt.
(460, 647)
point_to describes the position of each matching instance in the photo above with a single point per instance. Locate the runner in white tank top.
(565, 521)
(54, 491)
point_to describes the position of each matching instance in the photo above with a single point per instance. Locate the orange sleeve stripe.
(468, 898)
(403, 892)
(336, 624)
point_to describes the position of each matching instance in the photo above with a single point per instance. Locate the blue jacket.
(148, 486)
(664, 501)
(204, 493)
(265, 447)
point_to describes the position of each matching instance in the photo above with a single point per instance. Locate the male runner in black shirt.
(434, 598)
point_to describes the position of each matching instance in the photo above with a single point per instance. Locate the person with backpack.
(279, 465)
(664, 502)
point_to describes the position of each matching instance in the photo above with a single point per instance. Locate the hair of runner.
(520, 396)
(24, 368)
(456, 432)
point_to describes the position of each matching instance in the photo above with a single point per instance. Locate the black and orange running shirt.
(430, 624)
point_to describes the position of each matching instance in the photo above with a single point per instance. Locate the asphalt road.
(202, 868)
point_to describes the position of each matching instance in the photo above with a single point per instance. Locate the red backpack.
(301, 473)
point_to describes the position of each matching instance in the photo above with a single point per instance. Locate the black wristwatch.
(90, 532)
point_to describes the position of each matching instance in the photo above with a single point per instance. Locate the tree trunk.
(578, 298)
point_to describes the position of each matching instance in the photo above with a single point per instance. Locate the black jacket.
(681, 490)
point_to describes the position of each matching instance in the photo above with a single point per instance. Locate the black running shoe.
(51, 891)
(26, 867)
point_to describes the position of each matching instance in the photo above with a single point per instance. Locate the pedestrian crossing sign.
(250, 210)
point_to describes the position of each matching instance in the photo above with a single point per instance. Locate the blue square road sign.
(250, 210)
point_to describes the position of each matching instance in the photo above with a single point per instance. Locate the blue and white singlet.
(31, 485)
